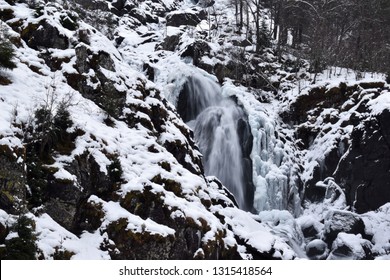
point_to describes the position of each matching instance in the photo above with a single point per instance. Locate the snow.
(378, 225)
(52, 237)
(62, 174)
(113, 212)
(381, 103)
(355, 243)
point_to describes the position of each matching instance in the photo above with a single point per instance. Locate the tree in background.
(347, 33)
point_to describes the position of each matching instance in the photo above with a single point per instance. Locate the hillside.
(155, 130)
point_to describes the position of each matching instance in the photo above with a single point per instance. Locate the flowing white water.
(214, 120)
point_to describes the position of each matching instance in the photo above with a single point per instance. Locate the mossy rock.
(168, 184)
(146, 204)
(138, 245)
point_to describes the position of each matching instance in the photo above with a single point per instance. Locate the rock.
(317, 250)
(204, 3)
(341, 221)
(3, 232)
(246, 142)
(185, 18)
(326, 192)
(350, 247)
(364, 172)
(196, 50)
(44, 35)
(143, 16)
(170, 43)
(119, 4)
(103, 92)
(94, 5)
(12, 179)
(311, 228)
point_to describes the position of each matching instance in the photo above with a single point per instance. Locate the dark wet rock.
(3, 232)
(196, 51)
(185, 18)
(364, 172)
(94, 5)
(44, 35)
(317, 250)
(170, 43)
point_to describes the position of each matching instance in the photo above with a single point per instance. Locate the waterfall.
(214, 120)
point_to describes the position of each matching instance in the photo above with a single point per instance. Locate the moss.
(61, 254)
(168, 184)
(4, 81)
(6, 197)
(152, 149)
(28, 30)
(120, 232)
(7, 151)
(165, 165)
(143, 203)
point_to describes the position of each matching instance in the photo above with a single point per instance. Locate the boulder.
(192, 18)
(170, 43)
(317, 250)
(350, 247)
(196, 50)
(311, 228)
(341, 221)
(44, 35)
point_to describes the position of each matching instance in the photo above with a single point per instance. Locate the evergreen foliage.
(21, 247)
(7, 53)
(115, 170)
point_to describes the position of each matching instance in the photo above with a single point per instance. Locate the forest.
(347, 33)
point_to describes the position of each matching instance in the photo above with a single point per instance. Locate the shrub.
(7, 53)
(115, 170)
(23, 246)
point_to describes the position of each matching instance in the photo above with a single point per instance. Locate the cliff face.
(97, 163)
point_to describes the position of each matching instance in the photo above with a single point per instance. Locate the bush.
(7, 53)
(115, 170)
(62, 120)
(23, 246)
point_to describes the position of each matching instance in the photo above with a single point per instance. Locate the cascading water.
(216, 133)
(214, 120)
